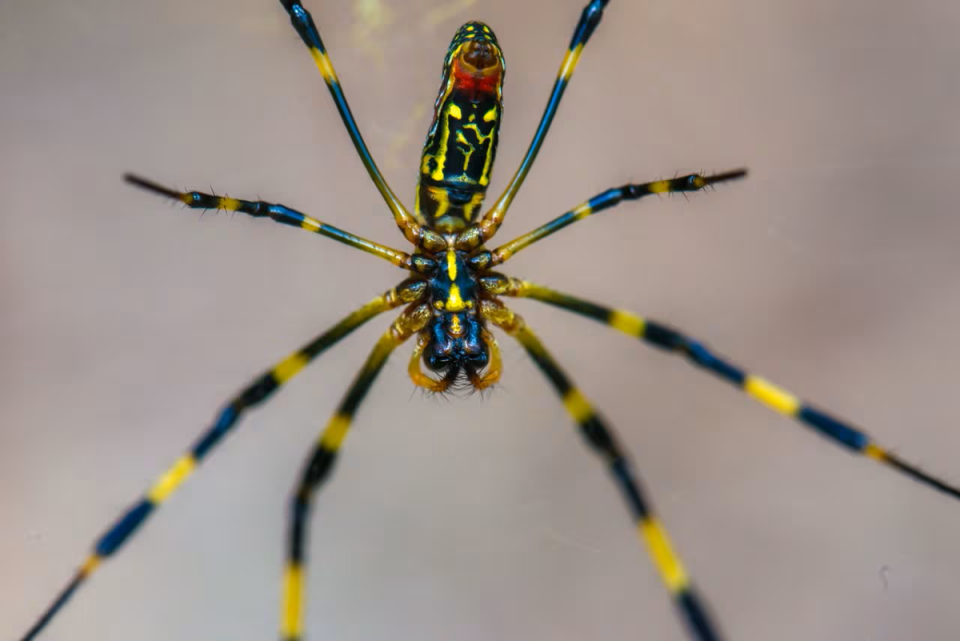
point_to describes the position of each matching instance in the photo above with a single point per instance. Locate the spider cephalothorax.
(450, 297)
(455, 345)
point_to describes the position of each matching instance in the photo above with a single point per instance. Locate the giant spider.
(453, 295)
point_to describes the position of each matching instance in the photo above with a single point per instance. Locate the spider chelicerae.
(451, 300)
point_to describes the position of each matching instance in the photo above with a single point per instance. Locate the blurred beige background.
(833, 270)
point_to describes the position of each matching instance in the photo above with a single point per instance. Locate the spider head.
(455, 345)
(456, 348)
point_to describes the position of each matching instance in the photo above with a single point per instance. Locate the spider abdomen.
(461, 144)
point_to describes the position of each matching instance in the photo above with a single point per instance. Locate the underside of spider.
(450, 300)
(454, 293)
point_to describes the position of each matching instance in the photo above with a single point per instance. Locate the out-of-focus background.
(832, 270)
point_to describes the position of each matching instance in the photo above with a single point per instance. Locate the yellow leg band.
(289, 367)
(577, 405)
(91, 564)
(771, 395)
(628, 323)
(668, 564)
(336, 431)
(291, 613)
(230, 204)
(582, 211)
(310, 224)
(169, 482)
(323, 64)
(875, 452)
(570, 61)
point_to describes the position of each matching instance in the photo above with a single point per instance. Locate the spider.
(452, 299)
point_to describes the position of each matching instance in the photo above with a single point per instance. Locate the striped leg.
(303, 23)
(589, 20)
(320, 463)
(254, 394)
(285, 215)
(762, 390)
(604, 442)
(608, 199)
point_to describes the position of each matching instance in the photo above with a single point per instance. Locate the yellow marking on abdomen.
(491, 115)
(323, 64)
(771, 395)
(577, 405)
(169, 482)
(660, 187)
(661, 551)
(475, 201)
(629, 324)
(288, 367)
(468, 152)
(481, 139)
(335, 432)
(291, 612)
(452, 111)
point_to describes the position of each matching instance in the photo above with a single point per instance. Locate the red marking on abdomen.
(475, 84)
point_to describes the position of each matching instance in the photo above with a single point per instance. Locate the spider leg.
(303, 22)
(281, 214)
(762, 390)
(255, 393)
(320, 463)
(589, 20)
(604, 442)
(608, 199)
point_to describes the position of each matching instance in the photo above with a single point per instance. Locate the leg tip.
(733, 174)
(143, 183)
